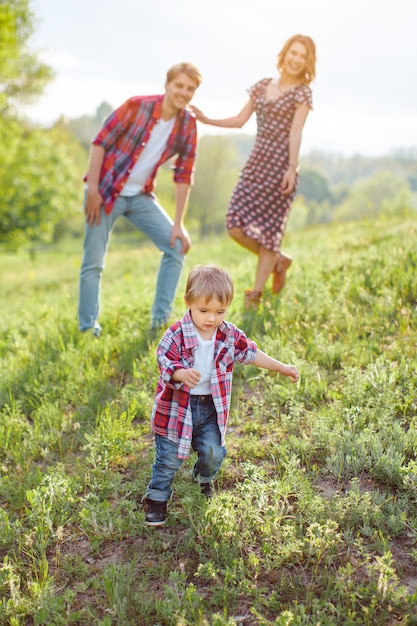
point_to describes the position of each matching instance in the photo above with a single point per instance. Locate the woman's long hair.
(310, 69)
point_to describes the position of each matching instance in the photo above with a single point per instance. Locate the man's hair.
(187, 68)
(310, 46)
(209, 281)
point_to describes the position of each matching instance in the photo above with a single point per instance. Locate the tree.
(22, 75)
(36, 178)
(382, 193)
(216, 175)
(37, 169)
(313, 186)
(86, 127)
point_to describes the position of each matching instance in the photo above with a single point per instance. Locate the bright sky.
(365, 92)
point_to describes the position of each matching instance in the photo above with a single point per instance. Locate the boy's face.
(207, 315)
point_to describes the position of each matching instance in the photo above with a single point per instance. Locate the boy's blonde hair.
(209, 281)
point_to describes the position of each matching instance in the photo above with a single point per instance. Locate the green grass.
(315, 517)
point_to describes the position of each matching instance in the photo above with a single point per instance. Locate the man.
(125, 156)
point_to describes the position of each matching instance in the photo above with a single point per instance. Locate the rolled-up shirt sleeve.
(245, 348)
(169, 360)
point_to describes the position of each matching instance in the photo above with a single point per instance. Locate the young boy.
(196, 356)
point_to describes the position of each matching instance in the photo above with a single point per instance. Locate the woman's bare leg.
(266, 262)
(243, 240)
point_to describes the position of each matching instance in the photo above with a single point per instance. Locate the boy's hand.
(189, 377)
(292, 372)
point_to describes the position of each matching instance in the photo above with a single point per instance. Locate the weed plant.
(315, 515)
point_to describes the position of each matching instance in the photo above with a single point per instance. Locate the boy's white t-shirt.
(204, 363)
(149, 157)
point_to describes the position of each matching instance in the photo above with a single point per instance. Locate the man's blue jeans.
(144, 212)
(206, 442)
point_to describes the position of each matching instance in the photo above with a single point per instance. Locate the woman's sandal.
(279, 271)
(252, 299)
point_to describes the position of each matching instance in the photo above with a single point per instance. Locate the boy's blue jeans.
(144, 212)
(206, 442)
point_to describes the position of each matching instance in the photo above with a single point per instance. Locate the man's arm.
(182, 193)
(94, 201)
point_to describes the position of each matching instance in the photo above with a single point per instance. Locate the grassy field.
(315, 516)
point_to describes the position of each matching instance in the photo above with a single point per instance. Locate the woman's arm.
(296, 132)
(300, 117)
(237, 121)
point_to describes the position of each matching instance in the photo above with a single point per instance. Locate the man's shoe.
(94, 330)
(157, 512)
(207, 490)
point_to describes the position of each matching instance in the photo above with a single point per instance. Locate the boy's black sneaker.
(207, 490)
(157, 512)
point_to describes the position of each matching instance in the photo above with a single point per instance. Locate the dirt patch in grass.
(401, 546)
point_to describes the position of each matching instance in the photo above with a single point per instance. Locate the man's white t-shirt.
(149, 157)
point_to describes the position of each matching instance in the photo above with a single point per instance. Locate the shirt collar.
(189, 331)
(157, 109)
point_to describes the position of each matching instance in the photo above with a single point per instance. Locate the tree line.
(41, 169)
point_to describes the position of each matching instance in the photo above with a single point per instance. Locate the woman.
(261, 201)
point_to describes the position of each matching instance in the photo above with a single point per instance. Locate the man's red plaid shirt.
(126, 132)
